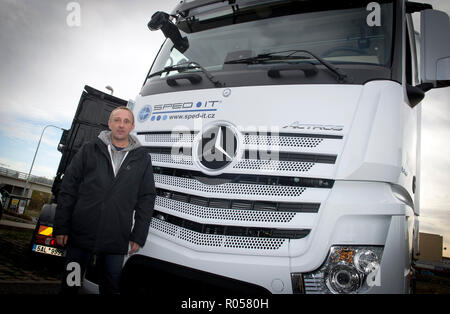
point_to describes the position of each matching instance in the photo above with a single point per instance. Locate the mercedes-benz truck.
(285, 142)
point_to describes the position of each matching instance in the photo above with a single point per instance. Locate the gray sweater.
(118, 156)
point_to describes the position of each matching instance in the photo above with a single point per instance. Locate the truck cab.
(285, 142)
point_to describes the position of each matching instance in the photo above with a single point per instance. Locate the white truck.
(285, 141)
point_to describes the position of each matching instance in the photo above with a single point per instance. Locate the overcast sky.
(44, 64)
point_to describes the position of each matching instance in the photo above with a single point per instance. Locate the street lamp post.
(110, 89)
(34, 158)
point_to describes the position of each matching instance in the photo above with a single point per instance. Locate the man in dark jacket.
(107, 181)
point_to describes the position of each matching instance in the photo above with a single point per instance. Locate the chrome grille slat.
(252, 166)
(222, 242)
(171, 159)
(249, 164)
(274, 165)
(263, 139)
(247, 178)
(169, 138)
(224, 214)
(230, 188)
(283, 141)
(237, 230)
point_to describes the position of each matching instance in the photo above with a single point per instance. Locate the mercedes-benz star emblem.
(217, 148)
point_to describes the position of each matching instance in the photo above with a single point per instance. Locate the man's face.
(121, 124)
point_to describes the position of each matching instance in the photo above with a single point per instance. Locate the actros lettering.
(313, 127)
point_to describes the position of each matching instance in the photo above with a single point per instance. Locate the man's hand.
(134, 247)
(61, 240)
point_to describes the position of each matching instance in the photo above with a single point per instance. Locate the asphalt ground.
(21, 271)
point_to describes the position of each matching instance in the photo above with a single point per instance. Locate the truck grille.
(257, 207)
(252, 159)
(250, 138)
(215, 209)
(231, 230)
(200, 240)
(229, 188)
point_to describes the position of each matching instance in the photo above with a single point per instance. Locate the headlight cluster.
(348, 269)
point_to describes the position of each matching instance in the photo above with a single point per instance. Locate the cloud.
(14, 164)
(435, 152)
(435, 165)
(45, 65)
(15, 127)
(47, 171)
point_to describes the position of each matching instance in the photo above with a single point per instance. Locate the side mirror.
(160, 20)
(435, 47)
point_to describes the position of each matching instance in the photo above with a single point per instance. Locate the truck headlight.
(348, 269)
(342, 278)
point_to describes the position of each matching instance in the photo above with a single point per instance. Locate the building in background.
(430, 246)
(430, 260)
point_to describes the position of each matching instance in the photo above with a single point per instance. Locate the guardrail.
(23, 176)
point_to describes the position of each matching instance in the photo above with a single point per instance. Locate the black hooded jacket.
(95, 208)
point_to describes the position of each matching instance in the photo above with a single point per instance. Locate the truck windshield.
(350, 33)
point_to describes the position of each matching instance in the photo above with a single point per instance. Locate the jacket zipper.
(112, 162)
(100, 227)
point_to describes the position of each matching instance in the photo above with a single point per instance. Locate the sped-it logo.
(165, 111)
(145, 113)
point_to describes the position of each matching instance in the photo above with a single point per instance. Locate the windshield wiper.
(265, 57)
(190, 65)
(171, 68)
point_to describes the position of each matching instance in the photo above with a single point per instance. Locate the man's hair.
(122, 108)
